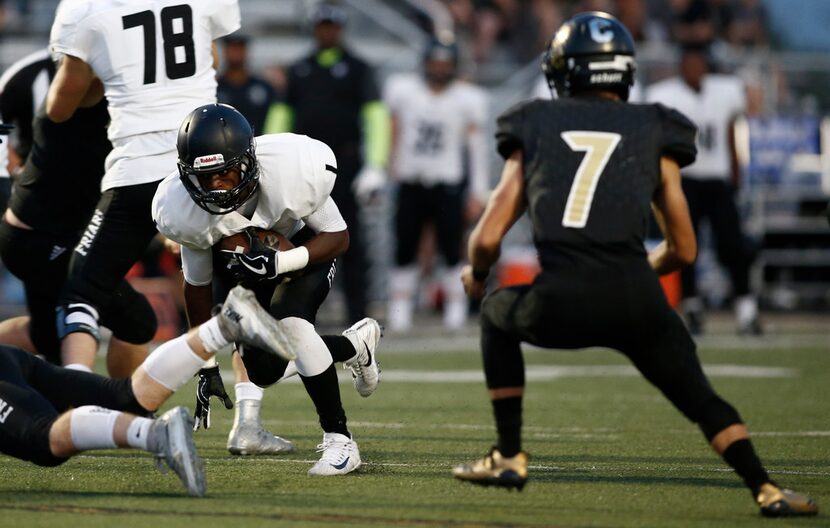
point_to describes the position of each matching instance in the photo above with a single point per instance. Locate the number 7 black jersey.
(591, 167)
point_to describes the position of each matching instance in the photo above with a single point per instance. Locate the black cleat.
(495, 470)
(780, 502)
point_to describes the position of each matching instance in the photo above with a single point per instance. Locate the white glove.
(367, 183)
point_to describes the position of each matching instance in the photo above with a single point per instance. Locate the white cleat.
(248, 437)
(253, 439)
(340, 456)
(364, 336)
(243, 320)
(171, 437)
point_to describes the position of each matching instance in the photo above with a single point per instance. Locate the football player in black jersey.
(54, 196)
(588, 168)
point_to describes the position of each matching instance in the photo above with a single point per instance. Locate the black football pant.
(418, 204)
(620, 307)
(41, 260)
(714, 200)
(116, 237)
(34, 393)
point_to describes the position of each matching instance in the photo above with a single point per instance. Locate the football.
(238, 242)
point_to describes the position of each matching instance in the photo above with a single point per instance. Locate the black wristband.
(480, 275)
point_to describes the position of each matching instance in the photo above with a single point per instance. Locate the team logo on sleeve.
(209, 162)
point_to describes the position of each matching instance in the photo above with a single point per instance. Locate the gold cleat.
(495, 470)
(780, 502)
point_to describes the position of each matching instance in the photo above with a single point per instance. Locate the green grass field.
(607, 450)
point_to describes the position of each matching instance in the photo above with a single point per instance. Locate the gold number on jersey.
(598, 147)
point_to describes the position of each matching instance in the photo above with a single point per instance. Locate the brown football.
(239, 241)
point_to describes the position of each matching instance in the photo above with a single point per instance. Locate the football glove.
(259, 263)
(368, 182)
(210, 384)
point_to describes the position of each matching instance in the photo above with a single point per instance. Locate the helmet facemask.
(221, 202)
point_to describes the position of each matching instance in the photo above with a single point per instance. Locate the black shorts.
(41, 261)
(620, 307)
(116, 237)
(34, 393)
(298, 294)
(418, 204)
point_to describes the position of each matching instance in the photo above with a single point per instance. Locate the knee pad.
(78, 317)
(714, 416)
(131, 317)
(264, 369)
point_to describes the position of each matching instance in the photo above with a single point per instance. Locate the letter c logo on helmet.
(601, 30)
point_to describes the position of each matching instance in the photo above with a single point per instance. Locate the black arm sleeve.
(678, 136)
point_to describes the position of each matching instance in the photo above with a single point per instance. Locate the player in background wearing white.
(712, 101)
(4, 156)
(434, 117)
(227, 183)
(49, 413)
(154, 60)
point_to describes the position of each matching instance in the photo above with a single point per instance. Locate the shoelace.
(334, 452)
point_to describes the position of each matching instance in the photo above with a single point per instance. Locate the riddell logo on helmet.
(206, 162)
(604, 78)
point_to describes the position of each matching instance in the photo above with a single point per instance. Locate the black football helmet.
(591, 51)
(212, 139)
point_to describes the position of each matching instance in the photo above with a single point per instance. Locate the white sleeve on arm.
(197, 266)
(326, 218)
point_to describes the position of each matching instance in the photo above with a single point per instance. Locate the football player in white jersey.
(154, 61)
(434, 117)
(712, 101)
(229, 183)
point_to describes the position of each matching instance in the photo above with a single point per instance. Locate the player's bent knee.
(78, 317)
(132, 318)
(715, 415)
(264, 369)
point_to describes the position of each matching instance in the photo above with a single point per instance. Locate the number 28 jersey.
(591, 167)
(153, 56)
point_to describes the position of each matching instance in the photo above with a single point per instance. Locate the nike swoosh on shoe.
(342, 464)
(369, 353)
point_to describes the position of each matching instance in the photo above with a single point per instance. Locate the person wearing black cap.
(249, 94)
(332, 96)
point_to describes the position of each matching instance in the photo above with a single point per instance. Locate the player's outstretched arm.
(672, 213)
(505, 206)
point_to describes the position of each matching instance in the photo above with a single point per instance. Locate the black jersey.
(252, 99)
(591, 167)
(23, 88)
(60, 182)
(327, 101)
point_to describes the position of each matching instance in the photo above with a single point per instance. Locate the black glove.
(210, 384)
(259, 263)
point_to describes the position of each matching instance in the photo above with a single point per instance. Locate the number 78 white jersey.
(153, 56)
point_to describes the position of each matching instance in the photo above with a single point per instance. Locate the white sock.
(211, 336)
(746, 309)
(137, 432)
(92, 427)
(173, 363)
(246, 390)
(403, 281)
(78, 366)
(455, 303)
(313, 356)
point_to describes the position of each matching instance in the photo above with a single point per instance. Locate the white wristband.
(292, 260)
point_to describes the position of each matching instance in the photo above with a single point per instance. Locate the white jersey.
(721, 99)
(153, 56)
(432, 127)
(4, 155)
(296, 176)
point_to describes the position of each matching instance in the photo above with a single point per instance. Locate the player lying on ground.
(598, 287)
(49, 413)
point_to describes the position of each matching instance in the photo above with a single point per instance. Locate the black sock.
(325, 393)
(508, 413)
(341, 348)
(741, 456)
